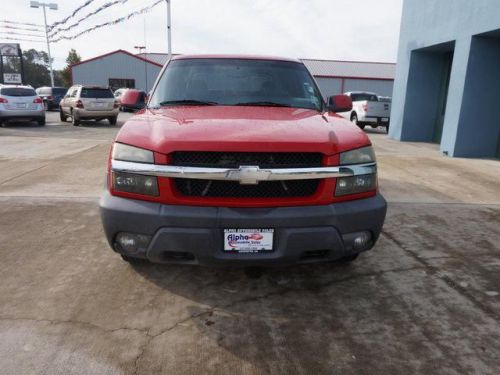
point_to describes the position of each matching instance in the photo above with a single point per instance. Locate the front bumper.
(194, 235)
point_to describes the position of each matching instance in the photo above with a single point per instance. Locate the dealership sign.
(12, 78)
(9, 49)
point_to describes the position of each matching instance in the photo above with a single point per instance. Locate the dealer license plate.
(248, 240)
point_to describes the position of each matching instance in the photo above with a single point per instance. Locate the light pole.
(169, 30)
(140, 48)
(53, 6)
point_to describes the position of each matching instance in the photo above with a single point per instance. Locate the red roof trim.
(115, 52)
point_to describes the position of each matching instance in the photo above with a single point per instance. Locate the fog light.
(357, 241)
(361, 240)
(131, 242)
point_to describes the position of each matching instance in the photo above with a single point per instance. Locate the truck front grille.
(233, 189)
(236, 159)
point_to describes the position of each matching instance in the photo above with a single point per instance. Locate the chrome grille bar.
(244, 174)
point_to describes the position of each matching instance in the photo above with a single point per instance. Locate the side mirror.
(339, 103)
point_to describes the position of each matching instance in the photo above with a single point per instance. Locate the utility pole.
(53, 6)
(140, 48)
(169, 30)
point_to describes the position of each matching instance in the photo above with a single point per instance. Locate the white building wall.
(118, 65)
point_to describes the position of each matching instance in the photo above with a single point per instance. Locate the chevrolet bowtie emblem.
(249, 175)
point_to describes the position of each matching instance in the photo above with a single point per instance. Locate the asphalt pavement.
(425, 300)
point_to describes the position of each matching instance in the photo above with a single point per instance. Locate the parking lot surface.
(425, 300)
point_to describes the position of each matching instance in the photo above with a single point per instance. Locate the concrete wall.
(329, 86)
(118, 65)
(429, 23)
(333, 86)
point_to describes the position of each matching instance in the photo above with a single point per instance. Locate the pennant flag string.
(98, 10)
(22, 23)
(63, 21)
(20, 28)
(22, 39)
(119, 20)
(14, 33)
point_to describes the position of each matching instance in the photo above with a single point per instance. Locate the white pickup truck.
(367, 109)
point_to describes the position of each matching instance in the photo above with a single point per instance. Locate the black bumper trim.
(198, 231)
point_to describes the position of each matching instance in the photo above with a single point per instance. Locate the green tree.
(73, 58)
(35, 66)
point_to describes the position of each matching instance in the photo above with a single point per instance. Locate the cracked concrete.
(425, 300)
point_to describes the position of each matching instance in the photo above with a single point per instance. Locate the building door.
(443, 96)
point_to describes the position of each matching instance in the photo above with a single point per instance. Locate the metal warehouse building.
(124, 69)
(448, 76)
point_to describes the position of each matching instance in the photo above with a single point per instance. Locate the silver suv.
(89, 103)
(20, 103)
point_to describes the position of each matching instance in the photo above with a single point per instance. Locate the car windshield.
(241, 82)
(96, 93)
(17, 91)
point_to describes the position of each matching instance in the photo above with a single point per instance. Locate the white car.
(89, 103)
(368, 109)
(19, 102)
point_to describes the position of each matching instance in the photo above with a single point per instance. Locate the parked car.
(368, 110)
(118, 93)
(132, 100)
(239, 161)
(51, 96)
(18, 102)
(89, 103)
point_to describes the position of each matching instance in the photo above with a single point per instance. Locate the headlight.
(131, 153)
(135, 183)
(358, 156)
(360, 183)
(356, 184)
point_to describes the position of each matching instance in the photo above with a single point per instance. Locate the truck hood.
(235, 128)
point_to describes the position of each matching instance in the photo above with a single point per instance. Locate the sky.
(360, 30)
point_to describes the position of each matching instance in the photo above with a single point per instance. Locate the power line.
(109, 23)
(98, 10)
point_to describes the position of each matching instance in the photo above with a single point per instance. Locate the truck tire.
(74, 119)
(62, 116)
(112, 120)
(354, 120)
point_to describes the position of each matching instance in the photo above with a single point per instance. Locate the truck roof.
(248, 57)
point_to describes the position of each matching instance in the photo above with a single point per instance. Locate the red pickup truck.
(239, 161)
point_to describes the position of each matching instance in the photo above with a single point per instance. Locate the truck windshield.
(241, 82)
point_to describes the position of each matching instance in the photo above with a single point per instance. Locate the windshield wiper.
(187, 102)
(265, 104)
